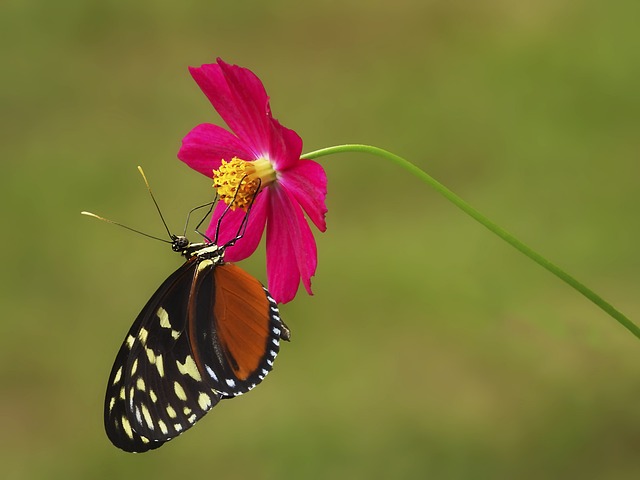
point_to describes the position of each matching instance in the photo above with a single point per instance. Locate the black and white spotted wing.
(211, 331)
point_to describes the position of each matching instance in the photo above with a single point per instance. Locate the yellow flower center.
(239, 181)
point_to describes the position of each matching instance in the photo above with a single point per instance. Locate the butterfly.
(210, 332)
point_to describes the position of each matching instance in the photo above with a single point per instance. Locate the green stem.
(506, 236)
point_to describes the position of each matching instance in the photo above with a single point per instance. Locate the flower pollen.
(238, 181)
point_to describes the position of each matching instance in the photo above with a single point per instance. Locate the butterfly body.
(211, 331)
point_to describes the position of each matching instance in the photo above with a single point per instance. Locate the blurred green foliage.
(430, 348)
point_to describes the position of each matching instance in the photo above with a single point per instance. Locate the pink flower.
(266, 154)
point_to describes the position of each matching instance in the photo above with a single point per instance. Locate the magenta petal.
(291, 248)
(307, 182)
(231, 223)
(286, 147)
(242, 102)
(240, 99)
(206, 145)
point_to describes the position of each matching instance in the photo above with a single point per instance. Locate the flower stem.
(506, 236)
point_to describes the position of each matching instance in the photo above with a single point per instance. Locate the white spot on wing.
(211, 373)
(138, 415)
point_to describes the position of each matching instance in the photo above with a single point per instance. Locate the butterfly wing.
(154, 390)
(209, 332)
(238, 347)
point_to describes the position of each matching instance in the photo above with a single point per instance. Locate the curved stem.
(506, 236)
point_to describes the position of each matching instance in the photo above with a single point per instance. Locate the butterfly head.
(179, 243)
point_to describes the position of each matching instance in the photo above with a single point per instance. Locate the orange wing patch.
(242, 319)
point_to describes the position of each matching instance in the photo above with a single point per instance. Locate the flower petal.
(285, 147)
(239, 97)
(206, 145)
(291, 248)
(307, 182)
(230, 225)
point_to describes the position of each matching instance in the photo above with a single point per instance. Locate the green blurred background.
(430, 348)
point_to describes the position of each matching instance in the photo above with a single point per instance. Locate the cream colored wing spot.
(204, 401)
(160, 366)
(134, 367)
(117, 376)
(140, 385)
(147, 417)
(190, 368)
(171, 412)
(163, 427)
(126, 426)
(179, 391)
(150, 355)
(163, 315)
(143, 335)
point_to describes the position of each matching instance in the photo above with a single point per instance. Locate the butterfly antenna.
(154, 201)
(89, 214)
